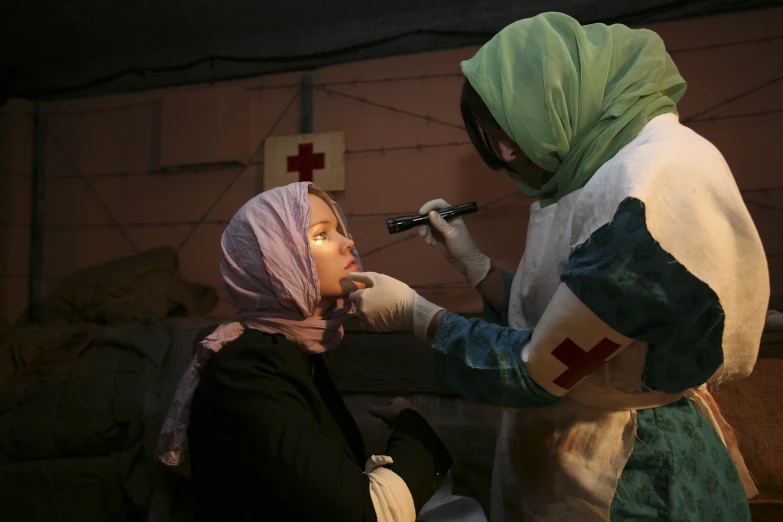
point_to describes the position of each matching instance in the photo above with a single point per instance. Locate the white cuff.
(423, 313)
(477, 270)
(376, 461)
(391, 498)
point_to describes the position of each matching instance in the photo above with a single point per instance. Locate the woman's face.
(522, 167)
(331, 252)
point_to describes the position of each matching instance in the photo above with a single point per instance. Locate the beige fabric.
(391, 497)
(560, 463)
(591, 394)
(668, 167)
(23, 344)
(131, 288)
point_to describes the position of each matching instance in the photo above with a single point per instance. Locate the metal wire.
(736, 116)
(89, 186)
(427, 118)
(239, 174)
(731, 99)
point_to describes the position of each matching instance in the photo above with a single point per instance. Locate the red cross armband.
(569, 343)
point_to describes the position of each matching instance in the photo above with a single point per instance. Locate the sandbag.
(148, 284)
(22, 344)
(84, 409)
(64, 490)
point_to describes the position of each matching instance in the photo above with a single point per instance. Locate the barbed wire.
(89, 186)
(460, 75)
(761, 189)
(115, 223)
(97, 110)
(425, 117)
(224, 222)
(487, 210)
(733, 98)
(195, 169)
(695, 118)
(356, 81)
(209, 169)
(481, 37)
(736, 116)
(138, 224)
(442, 285)
(103, 110)
(419, 146)
(13, 275)
(764, 206)
(239, 174)
(710, 47)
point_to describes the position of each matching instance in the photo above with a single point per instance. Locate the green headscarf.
(571, 96)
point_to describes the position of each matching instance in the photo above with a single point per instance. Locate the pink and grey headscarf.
(270, 276)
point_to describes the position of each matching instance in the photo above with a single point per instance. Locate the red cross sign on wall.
(318, 158)
(581, 363)
(305, 162)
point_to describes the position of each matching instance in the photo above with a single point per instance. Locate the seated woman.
(267, 433)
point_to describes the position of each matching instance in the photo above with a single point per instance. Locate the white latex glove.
(387, 304)
(455, 243)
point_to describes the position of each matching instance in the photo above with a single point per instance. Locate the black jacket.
(271, 439)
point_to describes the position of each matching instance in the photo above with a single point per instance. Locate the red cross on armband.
(581, 363)
(570, 342)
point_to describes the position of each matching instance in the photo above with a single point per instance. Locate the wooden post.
(37, 217)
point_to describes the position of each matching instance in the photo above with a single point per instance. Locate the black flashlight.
(402, 223)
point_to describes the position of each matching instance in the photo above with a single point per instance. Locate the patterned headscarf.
(270, 276)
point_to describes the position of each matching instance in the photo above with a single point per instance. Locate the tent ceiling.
(50, 48)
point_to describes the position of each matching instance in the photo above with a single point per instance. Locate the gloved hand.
(455, 243)
(387, 304)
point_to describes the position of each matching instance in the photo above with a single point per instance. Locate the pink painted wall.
(116, 140)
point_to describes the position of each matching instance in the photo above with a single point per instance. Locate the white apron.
(563, 463)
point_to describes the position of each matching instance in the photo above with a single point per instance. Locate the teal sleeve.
(483, 362)
(640, 290)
